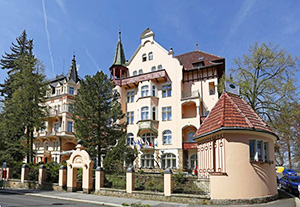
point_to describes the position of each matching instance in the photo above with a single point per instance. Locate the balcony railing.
(191, 94)
(160, 75)
(144, 125)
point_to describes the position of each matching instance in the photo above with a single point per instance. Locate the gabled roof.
(231, 112)
(187, 59)
(119, 58)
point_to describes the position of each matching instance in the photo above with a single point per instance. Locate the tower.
(118, 70)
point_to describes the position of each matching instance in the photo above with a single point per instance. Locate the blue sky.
(90, 28)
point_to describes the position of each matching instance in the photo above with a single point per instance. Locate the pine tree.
(97, 114)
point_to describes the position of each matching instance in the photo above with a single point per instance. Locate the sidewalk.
(118, 201)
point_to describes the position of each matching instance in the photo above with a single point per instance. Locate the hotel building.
(164, 98)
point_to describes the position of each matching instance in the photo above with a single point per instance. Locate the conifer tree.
(97, 114)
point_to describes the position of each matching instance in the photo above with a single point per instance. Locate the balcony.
(190, 95)
(133, 81)
(147, 125)
(54, 113)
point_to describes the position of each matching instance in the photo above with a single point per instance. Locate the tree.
(98, 115)
(266, 78)
(24, 92)
(115, 158)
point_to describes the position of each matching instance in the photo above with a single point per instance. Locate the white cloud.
(94, 62)
(61, 5)
(48, 37)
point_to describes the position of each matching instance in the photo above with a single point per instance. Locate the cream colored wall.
(244, 180)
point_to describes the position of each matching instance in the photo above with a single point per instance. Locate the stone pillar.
(8, 173)
(71, 179)
(99, 180)
(87, 178)
(42, 174)
(62, 181)
(24, 173)
(168, 182)
(129, 180)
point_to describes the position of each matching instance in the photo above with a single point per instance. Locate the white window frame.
(141, 71)
(168, 156)
(145, 113)
(130, 139)
(153, 69)
(71, 126)
(150, 56)
(167, 89)
(144, 57)
(130, 117)
(167, 111)
(189, 136)
(145, 91)
(130, 96)
(134, 73)
(159, 67)
(71, 90)
(147, 161)
(263, 155)
(167, 137)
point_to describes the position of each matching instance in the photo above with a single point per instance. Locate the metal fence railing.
(149, 182)
(190, 185)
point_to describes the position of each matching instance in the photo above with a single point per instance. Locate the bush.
(115, 181)
(52, 172)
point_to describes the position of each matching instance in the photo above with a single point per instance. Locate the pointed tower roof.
(119, 58)
(72, 74)
(231, 112)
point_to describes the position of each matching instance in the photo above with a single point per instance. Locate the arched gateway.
(80, 159)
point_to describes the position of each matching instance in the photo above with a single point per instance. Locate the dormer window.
(71, 90)
(144, 58)
(140, 71)
(134, 73)
(150, 56)
(153, 69)
(159, 67)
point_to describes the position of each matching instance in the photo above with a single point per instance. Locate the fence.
(117, 181)
(190, 185)
(149, 182)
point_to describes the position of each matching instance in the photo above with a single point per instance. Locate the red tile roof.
(232, 112)
(187, 59)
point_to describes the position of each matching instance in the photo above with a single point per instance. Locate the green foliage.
(52, 172)
(33, 172)
(178, 178)
(140, 205)
(149, 182)
(96, 113)
(115, 181)
(114, 160)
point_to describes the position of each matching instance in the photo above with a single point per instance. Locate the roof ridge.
(256, 114)
(199, 51)
(241, 112)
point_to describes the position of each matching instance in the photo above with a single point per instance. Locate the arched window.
(159, 67)
(148, 139)
(167, 137)
(147, 161)
(130, 139)
(150, 56)
(134, 73)
(144, 57)
(193, 161)
(145, 113)
(168, 160)
(153, 69)
(145, 91)
(140, 71)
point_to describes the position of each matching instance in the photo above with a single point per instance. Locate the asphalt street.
(16, 200)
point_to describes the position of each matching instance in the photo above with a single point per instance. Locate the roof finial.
(197, 46)
(73, 56)
(119, 32)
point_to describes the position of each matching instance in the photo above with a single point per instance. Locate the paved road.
(16, 200)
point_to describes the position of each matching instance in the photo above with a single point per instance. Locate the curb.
(74, 199)
(297, 200)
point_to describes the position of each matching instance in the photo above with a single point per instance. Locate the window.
(46, 145)
(55, 145)
(193, 161)
(168, 160)
(134, 73)
(37, 145)
(58, 109)
(145, 113)
(56, 127)
(147, 161)
(191, 136)
(153, 90)
(259, 150)
(140, 71)
(159, 67)
(212, 88)
(144, 57)
(130, 97)
(130, 117)
(148, 139)
(58, 92)
(154, 113)
(167, 113)
(145, 91)
(153, 69)
(130, 139)
(150, 56)
(70, 126)
(71, 90)
(70, 107)
(167, 90)
(167, 137)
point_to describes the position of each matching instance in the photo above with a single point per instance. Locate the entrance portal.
(80, 159)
